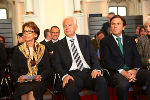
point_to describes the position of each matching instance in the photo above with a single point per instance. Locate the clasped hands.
(21, 79)
(94, 74)
(130, 74)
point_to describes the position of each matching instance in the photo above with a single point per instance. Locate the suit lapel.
(66, 50)
(81, 44)
(125, 44)
(115, 46)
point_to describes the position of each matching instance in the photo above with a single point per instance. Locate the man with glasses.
(55, 32)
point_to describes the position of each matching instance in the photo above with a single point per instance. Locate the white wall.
(146, 8)
(54, 14)
(93, 7)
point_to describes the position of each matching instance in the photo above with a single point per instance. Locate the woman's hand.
(21, 79)
(38, 78)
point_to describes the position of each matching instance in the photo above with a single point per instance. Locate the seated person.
(47, 36)
(30, 65)
(96, 42)
(143, 45)
(142, 31)
(3, 61)
(20, 38)
(2, 40)
(120, 56)
(77, 63)
(137, 33)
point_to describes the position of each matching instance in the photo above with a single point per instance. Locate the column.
(80, 18)
(68, 4)
(29, 7)
(77, 6)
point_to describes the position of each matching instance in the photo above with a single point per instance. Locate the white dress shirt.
(47, 40)
(115, 37)
(74, 65)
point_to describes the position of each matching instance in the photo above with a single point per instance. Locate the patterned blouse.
(143, 47)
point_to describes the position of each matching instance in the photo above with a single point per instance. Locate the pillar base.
(77, 11)
(29, 13)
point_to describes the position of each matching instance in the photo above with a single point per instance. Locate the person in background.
(142, 31)
(137, 33)
(30, 65)
(47, 36)
(143, 44)
(55, 32)
(100, 36)
(2, 40)
(20, 38)
(96, 42)
(3, 59)
(106, 26)
(77, 63)
(121, 58)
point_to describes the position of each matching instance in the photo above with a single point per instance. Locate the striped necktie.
(76, 56)
(120, 44)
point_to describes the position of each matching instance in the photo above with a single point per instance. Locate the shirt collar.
(75, 38)
(55, 41)
(46, 40)
(117, 37)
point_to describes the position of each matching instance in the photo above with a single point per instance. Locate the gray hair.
(71, 17)
(147, 19)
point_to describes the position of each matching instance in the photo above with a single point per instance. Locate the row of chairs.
(55, 88)
(135, 92)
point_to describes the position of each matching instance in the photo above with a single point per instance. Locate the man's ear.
(76, 27)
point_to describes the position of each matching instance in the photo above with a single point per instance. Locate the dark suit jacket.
(19, 65)
(95, 44)
(105, 28)
(112, 58)
(43, 42)
(3, 61)
(63, 59)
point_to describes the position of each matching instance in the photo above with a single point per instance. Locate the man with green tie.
(120, 56)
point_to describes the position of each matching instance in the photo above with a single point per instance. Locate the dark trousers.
(122, 85)
(84, 80)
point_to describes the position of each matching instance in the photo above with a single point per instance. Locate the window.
(118, 10)
(3, 14)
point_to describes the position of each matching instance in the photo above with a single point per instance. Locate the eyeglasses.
(29, 31)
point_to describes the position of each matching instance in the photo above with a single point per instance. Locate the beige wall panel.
(54, 14)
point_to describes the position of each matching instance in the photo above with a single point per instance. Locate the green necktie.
(120, 44)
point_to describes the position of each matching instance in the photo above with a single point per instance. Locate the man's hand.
(66, 79)
(126, 74)
(132, 72)
(38, 78)
(95, 73)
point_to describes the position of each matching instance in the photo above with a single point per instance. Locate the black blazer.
(112, 58)
(43, 42)
(63, 59)
(105, 28)
(19, 65)
(3, 59)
